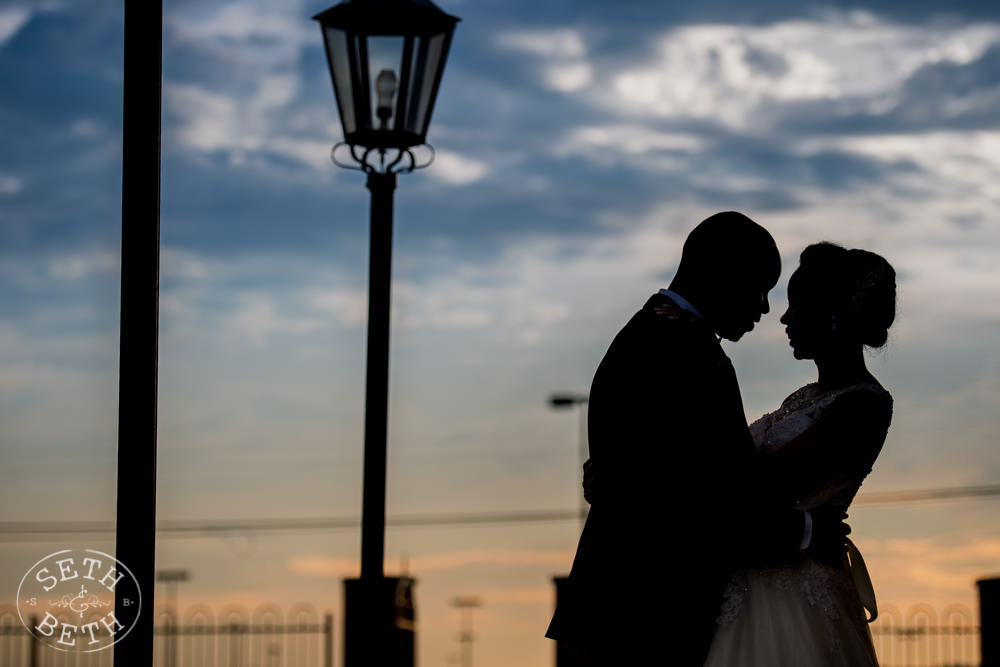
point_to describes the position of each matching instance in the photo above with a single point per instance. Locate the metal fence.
(267, 637)
(232, 638)
(924, 638)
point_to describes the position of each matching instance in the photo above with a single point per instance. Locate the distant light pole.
(564, 402)
(466, 637)
(564, 651)
(170, 579)
(386, 59)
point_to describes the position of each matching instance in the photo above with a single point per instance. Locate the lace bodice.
(823, 598)
(803, 410)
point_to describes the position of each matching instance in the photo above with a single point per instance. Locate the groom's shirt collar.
(682, 303)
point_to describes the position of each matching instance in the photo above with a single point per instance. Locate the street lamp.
(386, 59)
(566, 401)
(465, 604)
(171, 579)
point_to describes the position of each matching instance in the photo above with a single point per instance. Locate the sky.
(577, 144)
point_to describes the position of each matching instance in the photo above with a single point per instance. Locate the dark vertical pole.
(140, 274)
(328, 640)
(377, 376)
(170, 647)
(989, 621)
(376, 405)
(33, 649)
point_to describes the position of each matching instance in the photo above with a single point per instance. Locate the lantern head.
(386, 59)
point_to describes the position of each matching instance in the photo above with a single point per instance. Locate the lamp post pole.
(466, 636)
(171, 579)
(562, 401)
(385, 105)
(135, 528)
(382, 186)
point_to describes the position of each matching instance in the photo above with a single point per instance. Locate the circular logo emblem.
(67, 600)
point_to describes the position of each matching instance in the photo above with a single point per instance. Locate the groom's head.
(728, 265)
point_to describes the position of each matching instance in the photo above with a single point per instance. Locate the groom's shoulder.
(667, 318)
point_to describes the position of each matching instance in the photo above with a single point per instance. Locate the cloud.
(10, 185)
(254, 127)
(456, 169)
(537, 595)
(256, 318)
(732, 74)
(968, 161)
(562, 43)
(252, 33)
(175, 262)
(55, 269)
(961, 95)
(633, 139)
(444, 304)
(562, 53)
(86, 128)
(220, 121)
(83, 265)
(210, 119)
(238, 89)
(637, 145)
(570, 77)
(349, 308)
(339, 567)
(12, 19)
(933, 571)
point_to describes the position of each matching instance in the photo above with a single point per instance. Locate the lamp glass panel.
(384, 53)
(340, 67)
(425, 70)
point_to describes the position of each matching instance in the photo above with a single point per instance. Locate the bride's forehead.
(812, 285)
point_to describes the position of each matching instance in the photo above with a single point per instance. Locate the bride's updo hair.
(856, 286)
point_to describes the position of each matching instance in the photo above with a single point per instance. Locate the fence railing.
(267, 637)
(924, 638)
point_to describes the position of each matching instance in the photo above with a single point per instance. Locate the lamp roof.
(387, 17)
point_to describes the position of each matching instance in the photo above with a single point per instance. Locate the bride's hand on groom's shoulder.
(829, 536)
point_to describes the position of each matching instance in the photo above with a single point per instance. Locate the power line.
(237, 526)
(925, 495)
(34, 530)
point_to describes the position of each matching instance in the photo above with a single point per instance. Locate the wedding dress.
(808, 614)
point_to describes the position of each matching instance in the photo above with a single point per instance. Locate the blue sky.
(577, 143)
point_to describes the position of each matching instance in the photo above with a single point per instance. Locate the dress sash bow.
(862, 581)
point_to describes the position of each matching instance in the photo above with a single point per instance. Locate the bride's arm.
(842, 444)
(843, 441)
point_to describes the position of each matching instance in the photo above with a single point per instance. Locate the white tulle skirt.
(802, 615)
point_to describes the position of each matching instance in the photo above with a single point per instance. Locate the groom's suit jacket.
(679, 502)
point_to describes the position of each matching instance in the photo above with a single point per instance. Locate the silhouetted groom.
(680, 501)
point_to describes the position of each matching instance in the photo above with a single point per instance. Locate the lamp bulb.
(385, 86)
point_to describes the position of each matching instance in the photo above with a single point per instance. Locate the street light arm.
(567, 400)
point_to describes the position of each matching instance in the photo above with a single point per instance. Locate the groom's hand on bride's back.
(829, 536)
(588, 481)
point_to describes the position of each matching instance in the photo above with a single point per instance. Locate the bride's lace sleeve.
(831, 445)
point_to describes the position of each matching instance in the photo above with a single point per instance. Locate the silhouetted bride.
(821, 443)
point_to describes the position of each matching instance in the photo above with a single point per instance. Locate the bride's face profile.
(808, 324)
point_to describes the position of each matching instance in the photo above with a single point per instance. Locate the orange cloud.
(907, 572)
(540, 595)
(340, 567)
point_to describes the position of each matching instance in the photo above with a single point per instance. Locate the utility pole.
(466, 637)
